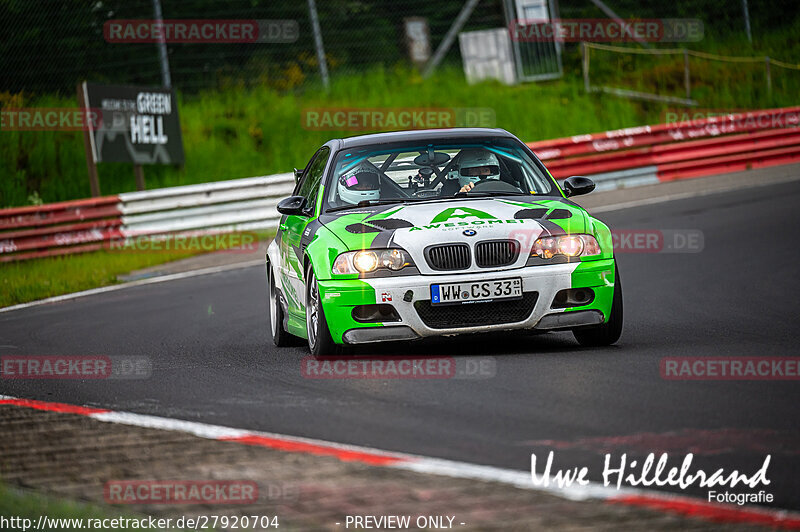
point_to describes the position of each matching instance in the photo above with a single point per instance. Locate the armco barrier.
(58, 228)
(237, 205)
(620, 158)
(89, 225)
(678, 150)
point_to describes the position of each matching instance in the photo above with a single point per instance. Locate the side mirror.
(577, 185)
(293, 205)
(298, 174)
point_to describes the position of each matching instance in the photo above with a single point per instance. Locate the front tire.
(320, 342)
(280, 337)
(609, 332)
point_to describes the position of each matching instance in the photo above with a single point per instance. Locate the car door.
(292, 229)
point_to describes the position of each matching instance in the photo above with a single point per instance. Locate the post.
(449, 37)
(616, 18)
(769, 76)
(687, 82)
(585, 63)
(747, 21)
(139, 174)
(88, 142)
(166, 80)
(323, 63)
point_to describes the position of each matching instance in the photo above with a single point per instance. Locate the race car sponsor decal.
(461, 212)
(414, 226)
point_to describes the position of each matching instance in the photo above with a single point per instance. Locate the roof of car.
(422, 135)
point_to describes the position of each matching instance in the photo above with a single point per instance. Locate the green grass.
(247, 132)
(40, 278)
(28, 505)
(35, 279)
(239, 132)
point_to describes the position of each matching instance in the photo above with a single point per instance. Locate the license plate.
(473, 292)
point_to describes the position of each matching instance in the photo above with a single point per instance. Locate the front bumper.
(339, 297)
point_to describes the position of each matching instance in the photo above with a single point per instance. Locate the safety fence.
(619, 158)
(685, 55)
(88, 225)
(665, 152)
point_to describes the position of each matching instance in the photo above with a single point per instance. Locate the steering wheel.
(494, 185)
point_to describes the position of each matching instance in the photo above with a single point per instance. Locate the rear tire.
(280, 337)
(609, 332)
(320, 342)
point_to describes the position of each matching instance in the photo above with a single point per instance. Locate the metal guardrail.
(619, 158)
(678, 150)
(237, 205)
(88, 225)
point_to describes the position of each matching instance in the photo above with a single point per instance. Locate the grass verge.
(35, 279)
(52, 276)
(239, 132)
(21, 510)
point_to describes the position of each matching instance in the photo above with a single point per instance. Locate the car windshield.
(396, 173)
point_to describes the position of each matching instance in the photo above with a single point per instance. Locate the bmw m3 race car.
(407, 235)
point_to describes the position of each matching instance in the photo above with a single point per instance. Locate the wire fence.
(50, 45)
(683, 75)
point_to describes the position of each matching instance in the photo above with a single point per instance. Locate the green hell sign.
(139, 125)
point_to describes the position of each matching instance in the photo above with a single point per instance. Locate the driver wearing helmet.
(474, 165)
(359, 185)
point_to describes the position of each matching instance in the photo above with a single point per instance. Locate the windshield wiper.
(489, 194)
(369, 203)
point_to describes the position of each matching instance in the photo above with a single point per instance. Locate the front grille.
(447, 257)
(493, 253)
(476, 314)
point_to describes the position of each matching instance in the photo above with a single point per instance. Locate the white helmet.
(359, 185)
(477, 164)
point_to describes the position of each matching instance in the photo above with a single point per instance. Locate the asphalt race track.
(214, 362)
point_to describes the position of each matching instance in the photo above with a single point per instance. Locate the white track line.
(217, 269)
(408, 462)
(131, 284)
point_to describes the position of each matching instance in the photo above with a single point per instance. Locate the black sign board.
(139, 125)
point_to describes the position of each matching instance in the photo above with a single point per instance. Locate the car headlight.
(369, 260)
(566, 245)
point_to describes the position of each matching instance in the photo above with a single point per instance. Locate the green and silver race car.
(407, 235)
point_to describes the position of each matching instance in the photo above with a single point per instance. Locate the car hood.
(414, 227)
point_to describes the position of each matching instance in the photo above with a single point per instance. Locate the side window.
(309, 188)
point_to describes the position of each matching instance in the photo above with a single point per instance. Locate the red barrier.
(58, 228)
(680, 150)
(55, 252)
(663, 151)
(692, 150)
(729, 163)
(619, 139)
